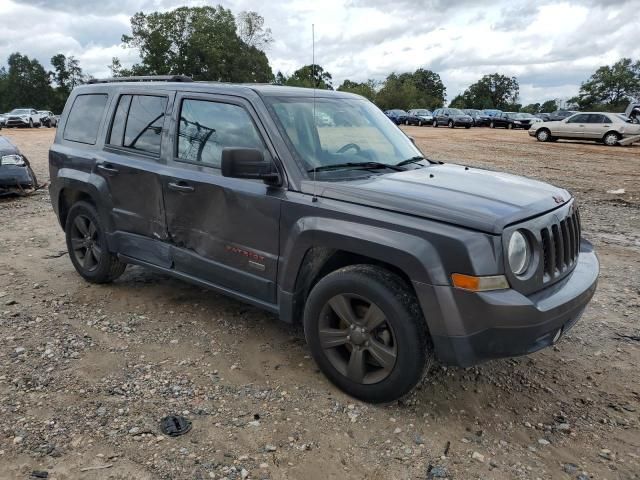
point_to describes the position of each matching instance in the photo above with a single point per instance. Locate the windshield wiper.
(364, 165)
(416, 159)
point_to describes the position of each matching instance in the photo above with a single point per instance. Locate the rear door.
(129, 165)
(223, 230)
(597, 125)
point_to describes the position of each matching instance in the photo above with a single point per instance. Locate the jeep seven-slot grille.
(561, 245)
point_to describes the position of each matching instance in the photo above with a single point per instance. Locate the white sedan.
(608, 128)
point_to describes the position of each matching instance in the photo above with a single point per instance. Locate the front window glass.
(21, 111)
(341, 130)
(206, 128)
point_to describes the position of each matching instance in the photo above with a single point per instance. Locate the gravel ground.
(87, 372)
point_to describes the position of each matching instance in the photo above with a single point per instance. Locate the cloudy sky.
(550, 46)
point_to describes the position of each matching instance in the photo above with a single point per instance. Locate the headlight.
(12, 160)
(518, 253)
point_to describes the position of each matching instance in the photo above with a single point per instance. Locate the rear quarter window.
(84, 118)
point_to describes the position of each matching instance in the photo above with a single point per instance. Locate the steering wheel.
(350, 146)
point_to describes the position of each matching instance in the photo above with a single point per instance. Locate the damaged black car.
(16, 175)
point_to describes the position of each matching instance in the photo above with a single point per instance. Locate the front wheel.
(510, 126)
(492, 125)
(435, 123)
(543, 135)
(87, 245)
(419, 123)
(366, 332)
(30, 123)
(451, 124)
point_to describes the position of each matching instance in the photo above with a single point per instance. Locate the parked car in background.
(512, 120)
(397, 116)
(48, 118)
(478, 118)
(24, 117)
(560, 115)
(3, 119)
(452, 117)
(543, 116)
(419, 117)
(607, 128)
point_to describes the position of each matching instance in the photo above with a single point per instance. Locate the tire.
(30, 123)
(400, 338)
(406, 122)
(451, 124)
(435, 124)
(467, 127)
(492, 125)
(419, 123)
(510, 126)
(610, 139)
(543, 135)
(91, 260)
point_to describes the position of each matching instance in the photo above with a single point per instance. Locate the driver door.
(574, 127)
(224, 231)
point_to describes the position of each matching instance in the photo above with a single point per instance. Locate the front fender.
(414, 255)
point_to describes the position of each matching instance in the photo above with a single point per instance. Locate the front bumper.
(468, 328)
(17, 122)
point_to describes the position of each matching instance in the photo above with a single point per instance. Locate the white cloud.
(551, 47)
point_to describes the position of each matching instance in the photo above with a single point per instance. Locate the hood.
(6, 147)
(470, 197)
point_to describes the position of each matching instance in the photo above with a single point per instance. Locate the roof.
(223, 87)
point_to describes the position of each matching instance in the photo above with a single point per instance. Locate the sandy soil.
(87, 372)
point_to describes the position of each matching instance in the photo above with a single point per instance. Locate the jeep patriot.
(317, 208)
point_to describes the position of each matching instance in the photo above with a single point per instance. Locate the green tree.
(493, 91)
(201, 42)
(366, 89)
(420, 89)
(25, 84)
(531, 108)
(610, 87)
(458, 102)
(549, 106)
(307, 77)
(66, 76)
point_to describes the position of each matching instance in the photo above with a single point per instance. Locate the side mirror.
(248, 163)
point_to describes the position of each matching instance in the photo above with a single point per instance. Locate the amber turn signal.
(479, 284)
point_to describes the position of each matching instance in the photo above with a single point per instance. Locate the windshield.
(423, 112)
(344, 130)
(455, 111)
(21, 111)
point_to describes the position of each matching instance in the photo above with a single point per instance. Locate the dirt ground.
(87, 372)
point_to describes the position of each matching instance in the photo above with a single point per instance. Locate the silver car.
(608, 128)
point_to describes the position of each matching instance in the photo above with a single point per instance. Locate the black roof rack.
(143, 78)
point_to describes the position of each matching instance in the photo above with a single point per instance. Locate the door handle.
(182, 187)
(108, 169)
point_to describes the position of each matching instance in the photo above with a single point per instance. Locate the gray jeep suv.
(386, 257)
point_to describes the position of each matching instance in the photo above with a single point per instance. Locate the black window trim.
(100, 122)
(122, 148)
(215, 99)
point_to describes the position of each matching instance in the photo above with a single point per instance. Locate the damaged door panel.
(129, 165)
(222, 230)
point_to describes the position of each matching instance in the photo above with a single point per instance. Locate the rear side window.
(84, 118)
(137, 123)
(206, 128)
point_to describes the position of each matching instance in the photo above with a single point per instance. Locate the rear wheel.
(467, 126)
(406, 122)
(87, 245)
(366, 332)
(611, 139)
(543, 135)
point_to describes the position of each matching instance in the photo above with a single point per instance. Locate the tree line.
(212, 44)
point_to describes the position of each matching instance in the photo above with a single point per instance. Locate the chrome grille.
(560, 245)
